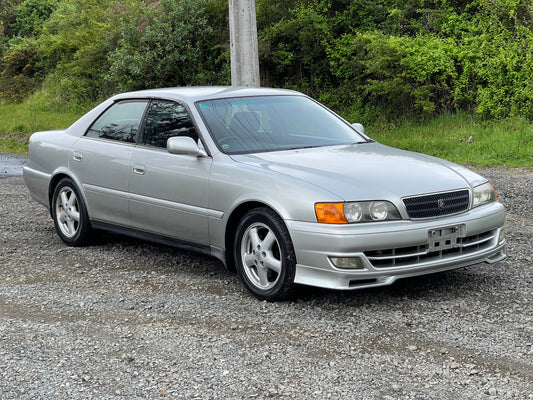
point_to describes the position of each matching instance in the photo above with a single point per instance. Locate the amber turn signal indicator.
(330, 213)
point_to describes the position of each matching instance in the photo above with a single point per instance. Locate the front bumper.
(387, 251)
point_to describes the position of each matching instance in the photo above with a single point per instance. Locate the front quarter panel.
(233, 184)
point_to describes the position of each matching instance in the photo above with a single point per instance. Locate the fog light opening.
(347, 262)
(502, 236)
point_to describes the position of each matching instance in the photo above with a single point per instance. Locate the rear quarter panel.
(48, 153)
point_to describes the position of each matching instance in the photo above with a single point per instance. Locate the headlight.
(483, 194)
(379, 210)
(351, 212)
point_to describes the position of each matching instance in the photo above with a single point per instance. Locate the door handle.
(77, 156)
(139, 169)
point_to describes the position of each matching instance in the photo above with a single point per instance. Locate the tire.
(264, 255)
(70, 214)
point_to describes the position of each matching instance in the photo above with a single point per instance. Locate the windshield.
(271, 123)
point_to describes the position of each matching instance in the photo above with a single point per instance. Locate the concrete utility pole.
(243, 43)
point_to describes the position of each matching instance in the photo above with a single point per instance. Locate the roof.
(196, 93)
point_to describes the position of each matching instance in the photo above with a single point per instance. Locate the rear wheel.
(264, 255)
(70, 214)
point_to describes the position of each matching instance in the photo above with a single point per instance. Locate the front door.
(168, 192)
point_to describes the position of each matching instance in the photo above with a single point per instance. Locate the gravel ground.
(126, 319)
(11, 164)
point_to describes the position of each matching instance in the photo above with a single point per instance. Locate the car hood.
(368, 171)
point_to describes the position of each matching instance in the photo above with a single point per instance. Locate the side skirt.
(155, 238)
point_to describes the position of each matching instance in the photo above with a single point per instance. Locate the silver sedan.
(272, 183)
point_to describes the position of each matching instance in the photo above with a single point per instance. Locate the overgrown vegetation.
(464, 139)
(17, 121)
(375, 61)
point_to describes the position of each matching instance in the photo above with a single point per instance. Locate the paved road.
(11, 164)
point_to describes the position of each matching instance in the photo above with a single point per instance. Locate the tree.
(173, 44)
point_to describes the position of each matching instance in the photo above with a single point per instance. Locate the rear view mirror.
(184, 145)
(359, 127)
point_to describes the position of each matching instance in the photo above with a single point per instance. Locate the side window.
(119, 122)
(164, 120)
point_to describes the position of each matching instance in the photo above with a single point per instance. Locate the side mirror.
(359, 127)
(185, 146)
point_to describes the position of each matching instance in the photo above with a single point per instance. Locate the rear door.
(101, 161)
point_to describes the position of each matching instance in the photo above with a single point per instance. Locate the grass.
(463, 139)
(459, 137)
(19, 121)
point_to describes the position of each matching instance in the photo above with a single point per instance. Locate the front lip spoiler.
(376, 277)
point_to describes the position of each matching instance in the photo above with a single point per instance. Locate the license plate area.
(445, 238)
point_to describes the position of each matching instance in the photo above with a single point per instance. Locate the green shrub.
(18, 74)
(407, 76)
(8, 17)
(75, 46)
(496, 62)
(31, 15)
(173, 44)
(293, 51)
(370, 59)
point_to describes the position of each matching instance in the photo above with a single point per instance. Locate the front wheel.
(264, 255)
(69, 214)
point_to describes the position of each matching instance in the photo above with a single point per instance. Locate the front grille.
(413, 255)
(436, 205)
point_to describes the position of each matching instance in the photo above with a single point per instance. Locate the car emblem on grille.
(441, 204)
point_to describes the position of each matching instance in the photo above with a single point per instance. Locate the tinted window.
(166, 119)
(270, 123)
(120, 122)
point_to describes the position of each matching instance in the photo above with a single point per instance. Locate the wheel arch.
(54, 181)
(233, 221)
